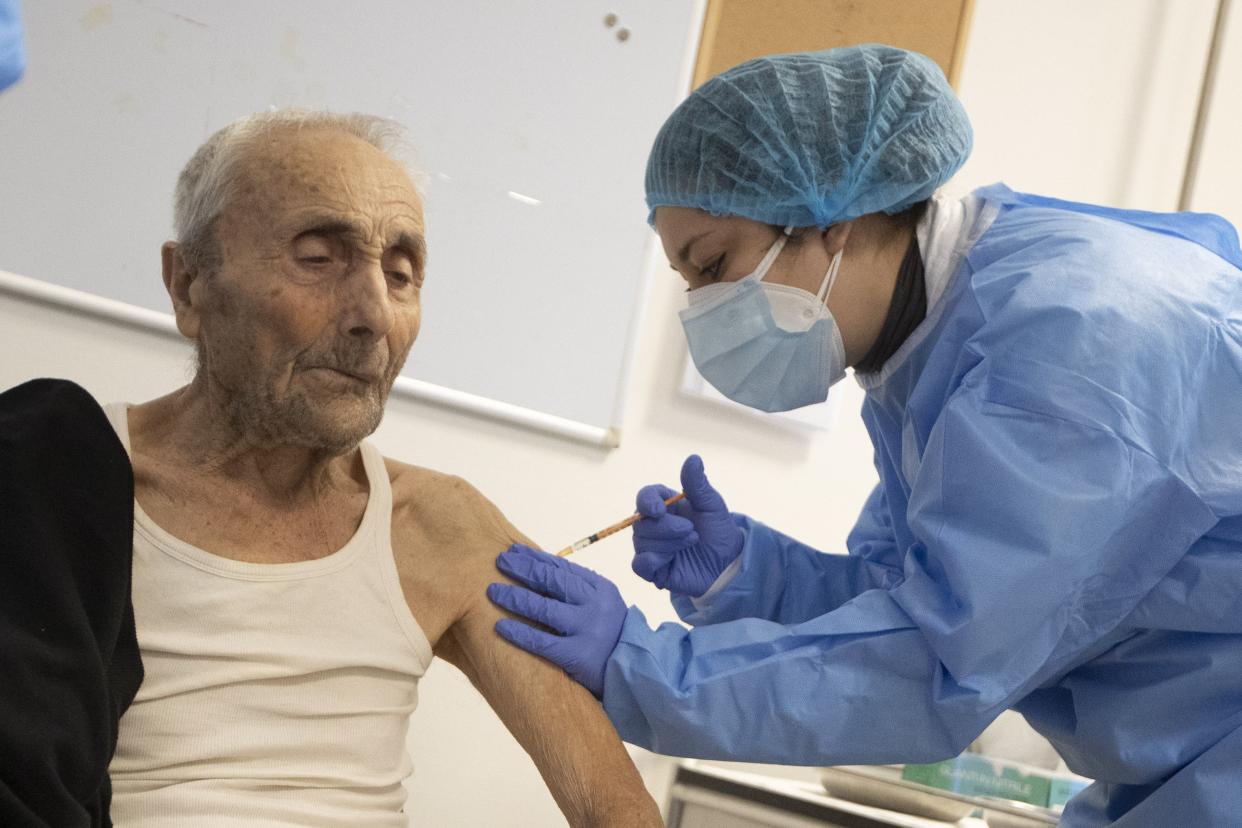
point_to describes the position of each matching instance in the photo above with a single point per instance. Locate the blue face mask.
(770, 347)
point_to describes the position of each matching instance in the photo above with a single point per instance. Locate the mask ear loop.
(775, 250)
(830, 277)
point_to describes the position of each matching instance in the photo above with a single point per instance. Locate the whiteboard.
(530, 119)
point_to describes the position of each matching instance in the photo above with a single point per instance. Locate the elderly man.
(290, 584)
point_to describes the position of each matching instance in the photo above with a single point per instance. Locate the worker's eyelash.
(713, 269)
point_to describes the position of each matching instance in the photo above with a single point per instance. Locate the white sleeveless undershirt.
(274, 694)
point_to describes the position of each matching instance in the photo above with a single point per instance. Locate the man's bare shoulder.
(445, 512)
(445, 539)
(418, 486)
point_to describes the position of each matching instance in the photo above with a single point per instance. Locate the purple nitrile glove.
(685, 547)
(583, 610)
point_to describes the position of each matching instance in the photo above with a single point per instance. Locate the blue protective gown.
(12, 48)
(1057, 529)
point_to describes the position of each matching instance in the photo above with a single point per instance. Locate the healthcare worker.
(1054, 393)
(12, 49)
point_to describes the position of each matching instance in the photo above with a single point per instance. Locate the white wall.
(1090, 101)
(1218, 185)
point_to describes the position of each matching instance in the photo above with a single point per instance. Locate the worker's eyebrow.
(683, 252)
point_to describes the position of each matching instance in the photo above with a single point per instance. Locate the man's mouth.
(358, 375)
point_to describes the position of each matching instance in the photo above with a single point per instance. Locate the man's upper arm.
(557, 721)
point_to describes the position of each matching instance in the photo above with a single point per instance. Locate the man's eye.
(317, 250)
(400, 277)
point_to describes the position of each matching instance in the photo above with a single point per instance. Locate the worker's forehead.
(672, 220)
(687, 233)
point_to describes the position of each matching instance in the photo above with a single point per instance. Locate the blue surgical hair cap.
(811, 138)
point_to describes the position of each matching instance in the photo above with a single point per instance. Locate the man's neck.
(192, 429)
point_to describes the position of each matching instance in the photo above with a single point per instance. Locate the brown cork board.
(734, 31)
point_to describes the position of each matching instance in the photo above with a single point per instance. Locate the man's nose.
(368, 311)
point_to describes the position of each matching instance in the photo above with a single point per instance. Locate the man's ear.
(178, 280)
(836, 236)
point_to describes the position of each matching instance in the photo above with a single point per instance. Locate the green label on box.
(1062, 789)
(973, 775)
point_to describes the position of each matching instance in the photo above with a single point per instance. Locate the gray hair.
(211, 176)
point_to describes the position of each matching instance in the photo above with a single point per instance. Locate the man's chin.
(336, 424)
(343, 426)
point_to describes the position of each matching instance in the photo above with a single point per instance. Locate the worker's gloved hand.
(685, 547)
(583, 611)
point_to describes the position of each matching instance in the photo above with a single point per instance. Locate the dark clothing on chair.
(69, 662)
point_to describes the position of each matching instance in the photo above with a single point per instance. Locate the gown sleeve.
(12, 47)
(1036, 537)
(783, 580)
